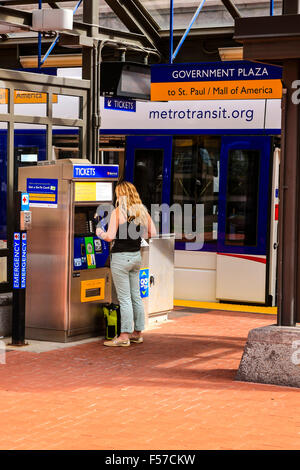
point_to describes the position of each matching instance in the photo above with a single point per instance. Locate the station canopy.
(215, 13)
(143, 24)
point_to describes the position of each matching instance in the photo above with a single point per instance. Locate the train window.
(4, 100)
(148, 175)
(29, 146)
(66, 142)
(30, 103)
(196, 163)
(67, 107)
(242, 197)
(110, 157)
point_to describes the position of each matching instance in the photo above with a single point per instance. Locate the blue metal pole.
(271, 7)
(171, 30)
(39, 41)
(57, 37)
(77, 6)
(50, 49)
(188, 29)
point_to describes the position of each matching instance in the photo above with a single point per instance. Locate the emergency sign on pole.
(22, 223)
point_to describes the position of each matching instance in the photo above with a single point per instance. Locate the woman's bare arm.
(113, 225)
(151, 228)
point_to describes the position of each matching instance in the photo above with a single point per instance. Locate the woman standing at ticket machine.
(129, 222)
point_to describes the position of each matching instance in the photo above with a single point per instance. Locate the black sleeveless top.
(128, 243)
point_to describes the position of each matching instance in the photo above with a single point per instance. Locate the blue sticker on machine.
(25, 202)
(144, 283)
(42, 192)
(96, 171)
(16, 267)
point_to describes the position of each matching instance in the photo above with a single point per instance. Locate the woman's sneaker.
(136, 339)
(117, 342)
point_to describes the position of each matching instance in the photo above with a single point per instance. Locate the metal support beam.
(10, 3)
(288, 249)
(171, 41)
(136, 20)
(54, 5)
(232, 8)
(89, 72)
(40, 41)
(18, 18)
(139, 9)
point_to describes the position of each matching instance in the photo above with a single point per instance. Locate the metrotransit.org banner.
(194, 116)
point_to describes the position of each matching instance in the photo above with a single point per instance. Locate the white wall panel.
(195, 284)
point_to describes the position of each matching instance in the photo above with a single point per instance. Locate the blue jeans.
(125, 268)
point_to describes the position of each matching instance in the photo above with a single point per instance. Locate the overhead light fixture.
(55, 60)
(231, 53)
(52, 20)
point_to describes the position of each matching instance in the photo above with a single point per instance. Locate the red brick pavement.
(175, 391)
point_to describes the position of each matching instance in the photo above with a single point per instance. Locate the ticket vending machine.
(68, 274)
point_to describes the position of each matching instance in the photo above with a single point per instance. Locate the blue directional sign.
(16, 266)
(120, 104)
(214, 71)
(144, 283)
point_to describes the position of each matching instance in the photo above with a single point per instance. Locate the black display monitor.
(125, 79)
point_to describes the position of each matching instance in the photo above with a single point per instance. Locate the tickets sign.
(215, 81)
(95, 171)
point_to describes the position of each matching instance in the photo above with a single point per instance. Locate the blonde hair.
(129, 201)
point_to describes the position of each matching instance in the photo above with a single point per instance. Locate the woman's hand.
(99, 232)
(110, 234)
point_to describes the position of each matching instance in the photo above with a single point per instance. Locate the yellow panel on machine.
(92, 290)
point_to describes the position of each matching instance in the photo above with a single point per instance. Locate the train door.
(231, 177)
(243, 229)
(148, 166)
(274, 228)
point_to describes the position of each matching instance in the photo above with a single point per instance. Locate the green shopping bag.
(112, 320)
